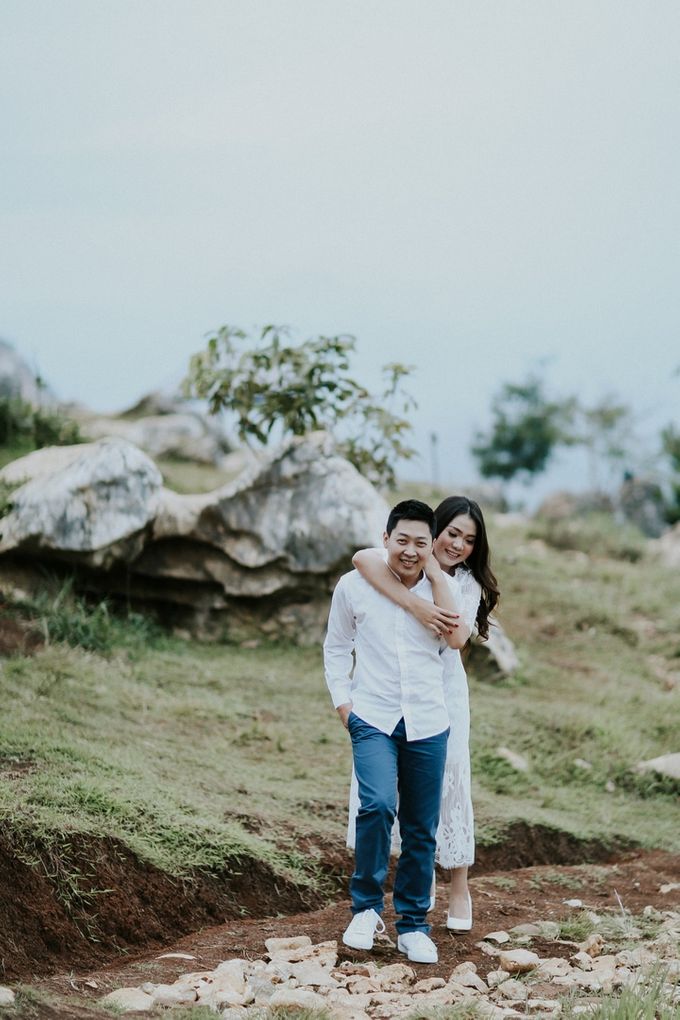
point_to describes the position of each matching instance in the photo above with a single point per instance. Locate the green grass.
(587, 631)
(193, 754)
(650, 1001)
(188, 476)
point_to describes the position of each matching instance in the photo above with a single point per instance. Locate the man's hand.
(343, 711)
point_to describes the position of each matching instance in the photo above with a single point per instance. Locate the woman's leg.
(459, 894)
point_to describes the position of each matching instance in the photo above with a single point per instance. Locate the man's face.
(408, 548)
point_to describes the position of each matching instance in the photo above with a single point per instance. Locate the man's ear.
(386, 539)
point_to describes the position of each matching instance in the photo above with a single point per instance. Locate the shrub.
(71, 619)
(40, 426)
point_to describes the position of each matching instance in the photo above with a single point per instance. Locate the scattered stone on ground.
(514, 759)
(247, 969)
(298, 974)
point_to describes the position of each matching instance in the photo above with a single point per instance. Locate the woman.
(461, 549)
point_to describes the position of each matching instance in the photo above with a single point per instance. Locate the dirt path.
(501, 899)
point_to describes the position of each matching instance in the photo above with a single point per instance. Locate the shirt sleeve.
(470, 593)
(338, 647)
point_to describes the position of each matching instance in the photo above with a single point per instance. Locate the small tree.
(670, 446)
(272, 385)
(525, 430)
(605, 430)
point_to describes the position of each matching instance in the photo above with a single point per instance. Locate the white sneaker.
(418, 946)
(362, 928)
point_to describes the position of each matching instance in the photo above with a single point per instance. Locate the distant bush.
(598, 534)
(39, 426)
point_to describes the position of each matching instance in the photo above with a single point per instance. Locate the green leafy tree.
(670, 446)
(605, 430)
(273, 386)
(526, 428)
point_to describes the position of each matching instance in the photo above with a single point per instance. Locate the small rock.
(576, 903)
(668, 887)
(515, 760)
(581, 763)
(610, 786)
(549, 929)
(129, 1000)
(350, 967)
(470, 979)
(499, 937)
(281, 947)
(396, 974)
(551, 1007)
(359, 985)
(593, 945)
(524, 929)
(583, 960)
(463, 968)
(513, 989)
(554, 966)
(298, 997)
(309, 972)
(487, 949)
(173, 995)
(519, 961)
(175, 956)
(7, 996)
(429, 984)
(496, 977)
(640, 957)
(259, 989)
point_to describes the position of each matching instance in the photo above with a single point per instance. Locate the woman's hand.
(439, 621)
(433, 570)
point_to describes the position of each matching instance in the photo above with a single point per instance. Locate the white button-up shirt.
(398, 670)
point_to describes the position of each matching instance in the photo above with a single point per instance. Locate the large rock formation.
(174, 431)
(257, 556)
(91, 503)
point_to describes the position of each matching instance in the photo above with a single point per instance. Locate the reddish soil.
(142, 913)
(501, 899)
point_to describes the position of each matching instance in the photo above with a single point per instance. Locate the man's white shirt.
(398, 669)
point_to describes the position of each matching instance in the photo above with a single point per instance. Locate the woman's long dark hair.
(478, 560)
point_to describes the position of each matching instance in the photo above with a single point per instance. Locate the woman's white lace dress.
(456, 833)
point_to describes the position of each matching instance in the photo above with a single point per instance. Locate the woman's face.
(456, 542)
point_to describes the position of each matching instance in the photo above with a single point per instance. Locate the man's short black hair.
(411, 510)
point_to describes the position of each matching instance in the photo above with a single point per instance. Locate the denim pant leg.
(421, 774)
(375, 763)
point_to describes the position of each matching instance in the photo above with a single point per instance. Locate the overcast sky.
(479, 189)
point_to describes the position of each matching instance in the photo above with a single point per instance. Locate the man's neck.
(410, 583)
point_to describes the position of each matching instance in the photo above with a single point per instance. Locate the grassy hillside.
(192, 755)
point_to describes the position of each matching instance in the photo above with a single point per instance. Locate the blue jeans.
(386, 764)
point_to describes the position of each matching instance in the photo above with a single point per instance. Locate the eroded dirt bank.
(501, 899)
(123, 905)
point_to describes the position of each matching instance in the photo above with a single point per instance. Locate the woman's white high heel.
(460, 923)
(433, 892)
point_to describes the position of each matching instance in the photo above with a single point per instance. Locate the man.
(393, 707)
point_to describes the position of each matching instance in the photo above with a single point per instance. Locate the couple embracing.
(394, 673)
